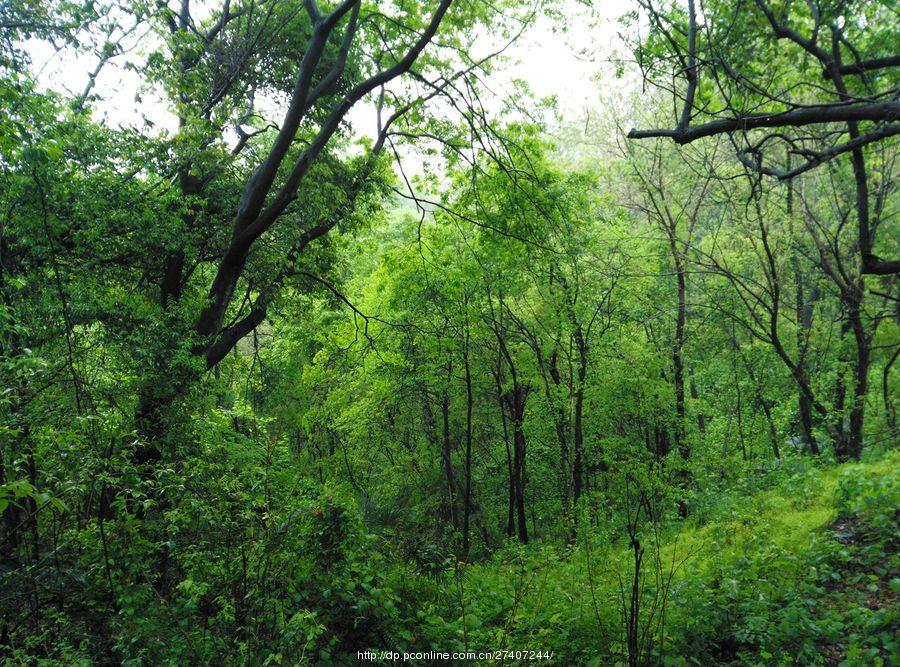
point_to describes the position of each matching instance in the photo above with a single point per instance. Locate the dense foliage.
(274, 390)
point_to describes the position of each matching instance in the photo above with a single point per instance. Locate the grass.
(752, 584)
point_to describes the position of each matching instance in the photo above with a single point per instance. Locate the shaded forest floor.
(796, 565)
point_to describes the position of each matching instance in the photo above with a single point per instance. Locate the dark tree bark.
(467, 504)
(511, 487)
(515, 403)
(578, 417)
(515, 400)
(678, 349)
(890, 409)
(804, 304)
(814, 115)
(446, 447)
(854, 443)
(560, 423)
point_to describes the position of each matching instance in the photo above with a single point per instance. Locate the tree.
(259, 193)
(716, 64)
(322, 93)
(833, 80)
(676, 212)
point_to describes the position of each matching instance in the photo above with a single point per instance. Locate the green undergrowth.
(801, 569)
(794, 564)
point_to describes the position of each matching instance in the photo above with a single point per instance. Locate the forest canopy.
(338, 331)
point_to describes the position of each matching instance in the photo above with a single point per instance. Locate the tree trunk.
(515, 399)
(578, 419)
(467, 502)
(853, 444)
(678, 349)
(804, 304)
(446, 450)
(560, 423)
(890, 409)
(511, 496)
(695, 396)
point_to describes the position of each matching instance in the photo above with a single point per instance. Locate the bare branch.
(814, 159)
(813, 115)
(863, 66)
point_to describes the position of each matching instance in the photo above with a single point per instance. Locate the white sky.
(565, 62)
(569, 62)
